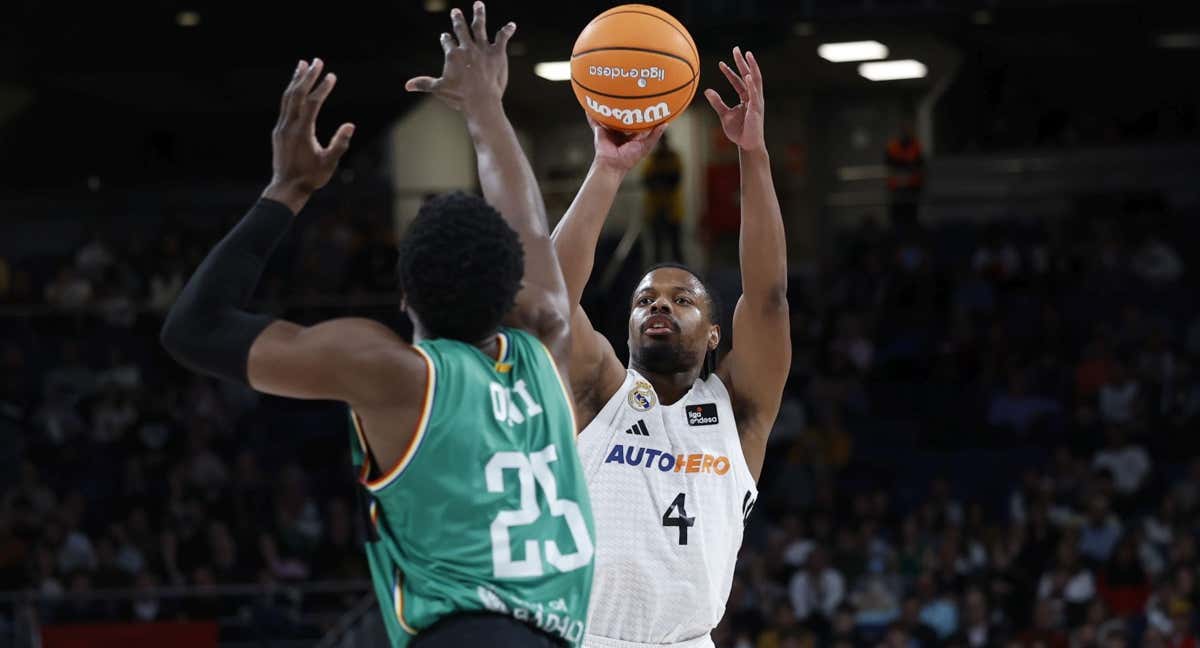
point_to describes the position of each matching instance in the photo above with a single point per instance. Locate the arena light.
(852, 51)
(553, 70)
(1179, 41)
(187, 19)
(893, 70)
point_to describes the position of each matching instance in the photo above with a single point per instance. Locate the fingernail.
(299, 64)
(512, 26)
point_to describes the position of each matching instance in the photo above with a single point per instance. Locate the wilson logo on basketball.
(629, 116)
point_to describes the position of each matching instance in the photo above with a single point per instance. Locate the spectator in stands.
(1069, 586)
(95, 257)
(1123, 585)
(1045, 630)
(1100, 532)
(1128, 462)
(1017, 410)
(1119, 397)
(1156, 262)
(662, 181)
(817, 589)
(977, 629)
(906, 177)
(69, 290)
(939, 607)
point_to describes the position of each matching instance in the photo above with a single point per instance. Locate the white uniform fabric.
(663, 574)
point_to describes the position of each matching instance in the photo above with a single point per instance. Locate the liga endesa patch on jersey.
(702, 414)
(655, 459)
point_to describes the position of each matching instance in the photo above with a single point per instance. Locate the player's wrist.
(483, 109)
(609, 168)
(754, 153)
(289, 192)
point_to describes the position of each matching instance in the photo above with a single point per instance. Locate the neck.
(670, 387)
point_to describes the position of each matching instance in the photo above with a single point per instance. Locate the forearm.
(509, 185)
(762, 244)
(578, 232)
(505, 175)
(208, 329)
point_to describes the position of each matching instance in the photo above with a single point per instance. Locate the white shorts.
(596, 641)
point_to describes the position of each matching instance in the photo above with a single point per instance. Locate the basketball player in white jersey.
(672, 446)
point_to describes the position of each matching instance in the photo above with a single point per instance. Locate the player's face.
(669, 329)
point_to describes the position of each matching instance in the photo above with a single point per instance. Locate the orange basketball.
(634, 67)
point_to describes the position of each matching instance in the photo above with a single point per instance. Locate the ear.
(714, 337)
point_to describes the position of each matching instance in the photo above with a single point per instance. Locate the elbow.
(774, 299)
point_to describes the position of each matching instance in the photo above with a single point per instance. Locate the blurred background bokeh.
(990, 433)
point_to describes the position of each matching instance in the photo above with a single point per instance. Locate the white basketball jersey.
(670, 492)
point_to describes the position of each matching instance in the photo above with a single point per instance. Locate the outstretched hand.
(301, 165)
(475, 71)
(743, 123)
(622, 152)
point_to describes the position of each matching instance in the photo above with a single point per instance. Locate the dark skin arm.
(596, 373)
(359, 361)
(473, 81)
(757, 367)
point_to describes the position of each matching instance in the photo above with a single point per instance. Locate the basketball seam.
(649, 96)
(640, 49)
(691, 43)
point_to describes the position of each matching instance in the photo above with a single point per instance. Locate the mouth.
(659, 326)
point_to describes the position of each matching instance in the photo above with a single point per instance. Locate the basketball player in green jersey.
(481, 530)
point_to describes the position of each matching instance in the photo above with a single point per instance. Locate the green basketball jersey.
(488, 508)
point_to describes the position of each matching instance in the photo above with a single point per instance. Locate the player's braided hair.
(460, 267)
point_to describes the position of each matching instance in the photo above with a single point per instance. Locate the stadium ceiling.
(143, 69)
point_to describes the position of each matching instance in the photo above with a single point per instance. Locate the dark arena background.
(990, 433)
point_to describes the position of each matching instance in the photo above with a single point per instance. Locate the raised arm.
(757, 367)
(595, 369)
(473, 80)
(211, 330)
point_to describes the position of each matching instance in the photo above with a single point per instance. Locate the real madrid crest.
(641, 397)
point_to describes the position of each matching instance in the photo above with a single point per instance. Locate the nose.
(662, 306)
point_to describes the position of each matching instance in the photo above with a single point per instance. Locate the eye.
(644, 301)
(683, 300)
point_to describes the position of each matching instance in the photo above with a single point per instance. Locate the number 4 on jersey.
(680, 520)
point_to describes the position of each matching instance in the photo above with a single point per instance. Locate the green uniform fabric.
(489, 508)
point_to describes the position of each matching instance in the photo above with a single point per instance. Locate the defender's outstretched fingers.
(316, 98)
(740, 62)
(504, 34)
(479, 23)
(756, 72)
(421, 84)
(289, 91)
(739, 86)
(459, 22)
(340, 142)
(309, 78)
(715, 100)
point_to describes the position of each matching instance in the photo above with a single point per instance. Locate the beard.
(665, 357)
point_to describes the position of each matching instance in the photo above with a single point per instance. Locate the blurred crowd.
(986, 440)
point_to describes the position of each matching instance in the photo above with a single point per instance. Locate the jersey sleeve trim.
(418, 434)
(364, 471)
(566, 392)
(398, 602)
